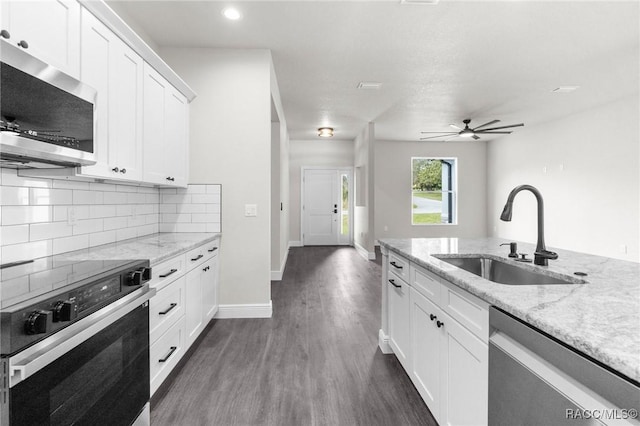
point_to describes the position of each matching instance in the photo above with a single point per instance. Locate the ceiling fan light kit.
(468, 132)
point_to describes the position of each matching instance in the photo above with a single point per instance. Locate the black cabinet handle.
(432, 317)
(123, 170)
(173, 271)
(439, 324)
(393, 283)
(115, 169)
(5, 34)
(395, 265)
(173, 349)
(171, 306)
(206, 269)
(171, 178)
(212, 250)
(199, 256)
(23, 44)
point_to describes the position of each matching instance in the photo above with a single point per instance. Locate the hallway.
(316, 362)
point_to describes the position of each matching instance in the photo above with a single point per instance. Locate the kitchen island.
(435, 316)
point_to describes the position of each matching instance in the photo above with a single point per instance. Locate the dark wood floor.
(316, 362)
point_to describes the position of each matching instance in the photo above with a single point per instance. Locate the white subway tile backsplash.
(14, 234)
(15, 215)
(14, 196)
(36, 221)
(87, 197)
(62, 245)
(49, 230)
(49, 196)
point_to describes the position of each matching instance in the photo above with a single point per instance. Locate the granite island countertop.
(155, 247)
(600, 318)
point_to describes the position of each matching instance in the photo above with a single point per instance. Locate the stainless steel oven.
(79, 354)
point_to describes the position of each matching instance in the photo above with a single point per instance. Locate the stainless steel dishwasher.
(536, 380)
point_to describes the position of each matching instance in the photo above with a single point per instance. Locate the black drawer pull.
(199, 257)
(395, 266)
(173, 349)
(432, 317)
(206, 269)
(213, 249)
(171, 306)
(393, 283)
(173, 271)
(439, 323)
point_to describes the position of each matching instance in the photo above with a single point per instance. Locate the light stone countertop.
(600, 318)
(155, 247)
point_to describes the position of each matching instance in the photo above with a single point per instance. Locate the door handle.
(335, 210)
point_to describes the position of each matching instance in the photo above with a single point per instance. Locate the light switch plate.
(251, 210)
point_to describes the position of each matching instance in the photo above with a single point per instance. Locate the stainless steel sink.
(505, 272)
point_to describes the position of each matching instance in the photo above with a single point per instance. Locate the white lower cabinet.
(439, 333)
(185, 302)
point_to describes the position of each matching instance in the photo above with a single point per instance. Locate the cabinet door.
(155, 88)
(177, 137)
(426, 344)
(125, 125)
(210, 289)
(51, 29)
(399, 320)
(193, 304)
(95, 69)
(464, 376)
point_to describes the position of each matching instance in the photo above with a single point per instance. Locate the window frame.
(453, 190)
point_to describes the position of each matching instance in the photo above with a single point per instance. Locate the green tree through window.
(433, 190)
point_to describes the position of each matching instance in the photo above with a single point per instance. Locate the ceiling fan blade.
(482, 132)
(476, 137)
(443, 133)
(455, 127)
(440, 136)
(486, 124)
(503, 127)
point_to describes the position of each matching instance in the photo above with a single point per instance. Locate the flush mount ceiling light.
(565, 89)
(231, 14)
(325, 132)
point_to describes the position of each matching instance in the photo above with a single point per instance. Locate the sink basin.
(505, 272)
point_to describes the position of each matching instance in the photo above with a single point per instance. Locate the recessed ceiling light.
(325, 132)
(369, 85)
(565, 89)
(231, 13)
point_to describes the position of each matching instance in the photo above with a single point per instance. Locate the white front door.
(325, 207)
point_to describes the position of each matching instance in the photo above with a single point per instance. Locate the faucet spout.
(541, 254)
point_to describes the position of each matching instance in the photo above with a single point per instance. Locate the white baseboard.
(277, 275)
(295, 244)
(364, 253)
(250, 310)
(383, 343)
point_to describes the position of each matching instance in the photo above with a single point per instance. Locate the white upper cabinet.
(50, 30)
(115, 71)
(165, 131)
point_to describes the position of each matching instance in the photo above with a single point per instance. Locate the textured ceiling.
(439, 64)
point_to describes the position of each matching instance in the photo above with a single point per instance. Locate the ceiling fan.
(473, 132)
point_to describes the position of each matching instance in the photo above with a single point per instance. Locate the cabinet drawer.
(165, 308)
(166, 272)
(427, 283)
(399, 266)
(165, 353)
(467, 309)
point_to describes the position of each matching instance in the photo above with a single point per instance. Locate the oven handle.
(28, 362)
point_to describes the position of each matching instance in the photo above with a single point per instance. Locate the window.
(434, 183)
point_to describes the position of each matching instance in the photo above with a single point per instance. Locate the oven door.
(102, 380)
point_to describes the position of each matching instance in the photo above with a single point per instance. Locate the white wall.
(325, 153)
(393, 188)
(364, 215)
(591, 186)
(230, 130)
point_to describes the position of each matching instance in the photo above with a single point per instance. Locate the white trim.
(383, 343)
(295, 244)
(249, 310)
(277, 275)
(368, 255)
